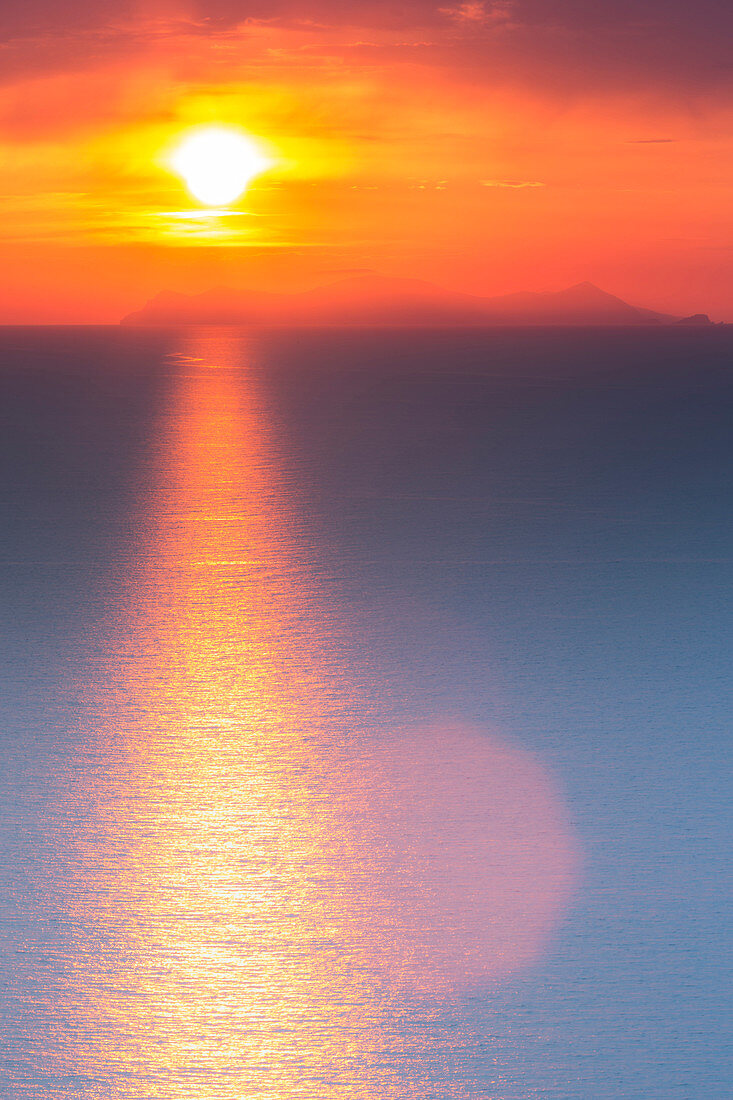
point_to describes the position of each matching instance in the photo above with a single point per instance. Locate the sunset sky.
(488, 147)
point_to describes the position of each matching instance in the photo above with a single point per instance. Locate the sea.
(365, 708)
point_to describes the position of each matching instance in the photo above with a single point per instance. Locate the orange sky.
(486, 147)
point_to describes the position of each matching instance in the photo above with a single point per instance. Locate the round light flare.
(217, 164)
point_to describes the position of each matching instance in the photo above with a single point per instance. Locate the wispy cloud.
(514, 184)
(480, 11)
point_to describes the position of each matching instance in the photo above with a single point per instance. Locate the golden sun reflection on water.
(260, 889)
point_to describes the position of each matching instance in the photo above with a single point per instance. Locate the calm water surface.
(364, 716)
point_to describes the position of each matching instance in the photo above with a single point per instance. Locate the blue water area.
(239, 568)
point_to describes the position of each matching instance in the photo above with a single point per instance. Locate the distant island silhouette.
(379, 300)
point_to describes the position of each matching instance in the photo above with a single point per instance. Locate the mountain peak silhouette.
(368, 298)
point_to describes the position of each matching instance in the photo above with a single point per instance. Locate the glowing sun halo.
(217, 163)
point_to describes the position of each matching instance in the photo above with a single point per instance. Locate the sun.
(217, 163)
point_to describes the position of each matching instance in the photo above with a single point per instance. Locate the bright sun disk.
(217, 163)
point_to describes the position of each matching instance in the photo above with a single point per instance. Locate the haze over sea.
(365, 699)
